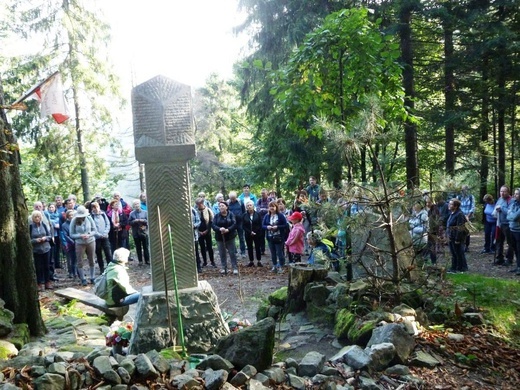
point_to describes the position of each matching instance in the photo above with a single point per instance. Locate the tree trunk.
(410, 138)
(299, 277)
(449, 97)
(79, 132)
(484, 132)
(18, 286)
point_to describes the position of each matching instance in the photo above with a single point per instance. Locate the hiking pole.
(170, 324)
(179, 314)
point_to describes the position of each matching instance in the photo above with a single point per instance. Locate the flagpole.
(31, 91)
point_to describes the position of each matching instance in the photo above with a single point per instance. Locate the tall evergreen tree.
(18, 287)
(73, 40)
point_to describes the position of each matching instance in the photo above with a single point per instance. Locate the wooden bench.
(92, 300)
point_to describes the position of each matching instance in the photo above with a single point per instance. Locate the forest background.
(438, 80)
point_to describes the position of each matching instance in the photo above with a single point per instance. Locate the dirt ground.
(239, 297)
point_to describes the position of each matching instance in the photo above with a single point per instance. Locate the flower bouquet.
(119, 334)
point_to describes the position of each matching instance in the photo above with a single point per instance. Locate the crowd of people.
(434, 223)
(244, 226)
(93, 231)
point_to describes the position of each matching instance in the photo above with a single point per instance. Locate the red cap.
(295, 216)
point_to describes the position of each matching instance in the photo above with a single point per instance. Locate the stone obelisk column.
(164, 142)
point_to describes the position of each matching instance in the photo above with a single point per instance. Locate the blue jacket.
(238, 209)
(513, 216)
(252, 197)
(504, 207)
(281, 224)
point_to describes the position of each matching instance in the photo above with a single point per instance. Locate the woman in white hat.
(83, 231)
(120, 292)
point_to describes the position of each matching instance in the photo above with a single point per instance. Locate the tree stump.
(300, 275)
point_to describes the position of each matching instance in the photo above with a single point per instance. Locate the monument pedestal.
(201, 316)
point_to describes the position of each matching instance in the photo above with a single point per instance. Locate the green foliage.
(222, 138)
(338, 67)
(70, 309)
(498, 298)
(344, 321)
(74, 40)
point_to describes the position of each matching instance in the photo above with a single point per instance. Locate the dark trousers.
(56, 252)
(458, 258)
(489, 236)
(197, 257)
(295, 257)
(253, 246)
(262, 241)
(103, 247)
(206, 244)
(118, 239)
(503, 237)
(241, 241)
(276, 250)
(72, 262)
(41, 264)
(141, 247)
(516, 245)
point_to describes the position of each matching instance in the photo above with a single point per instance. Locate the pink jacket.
(295, 240)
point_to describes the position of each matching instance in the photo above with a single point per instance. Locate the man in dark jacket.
(238, 210)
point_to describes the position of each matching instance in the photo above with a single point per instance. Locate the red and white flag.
(50, 94)
(52, 100)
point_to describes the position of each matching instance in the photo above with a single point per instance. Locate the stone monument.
(164, 142)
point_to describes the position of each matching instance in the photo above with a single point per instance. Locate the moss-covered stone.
(20, 335)
(361, 331)
(316, 294)
(57, 323)
(279, 297)
(343, 322)
(7, 350)
(6, 322)
(262, 311)
(321, 314)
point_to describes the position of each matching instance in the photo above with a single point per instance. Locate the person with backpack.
(41, 237)
(118, 291)
(83, 231)
(102, 229)
(319, 249)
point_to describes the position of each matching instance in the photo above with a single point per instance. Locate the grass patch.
(499, 299)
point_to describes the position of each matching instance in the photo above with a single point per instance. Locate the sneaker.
(235, 272)
(251, 264)
(259, 264)
(84, 282)
(223, 272)
(484, 251)
(451, 271)
(499, 262)
(274, 269)
(213, 265)
(92, 281)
